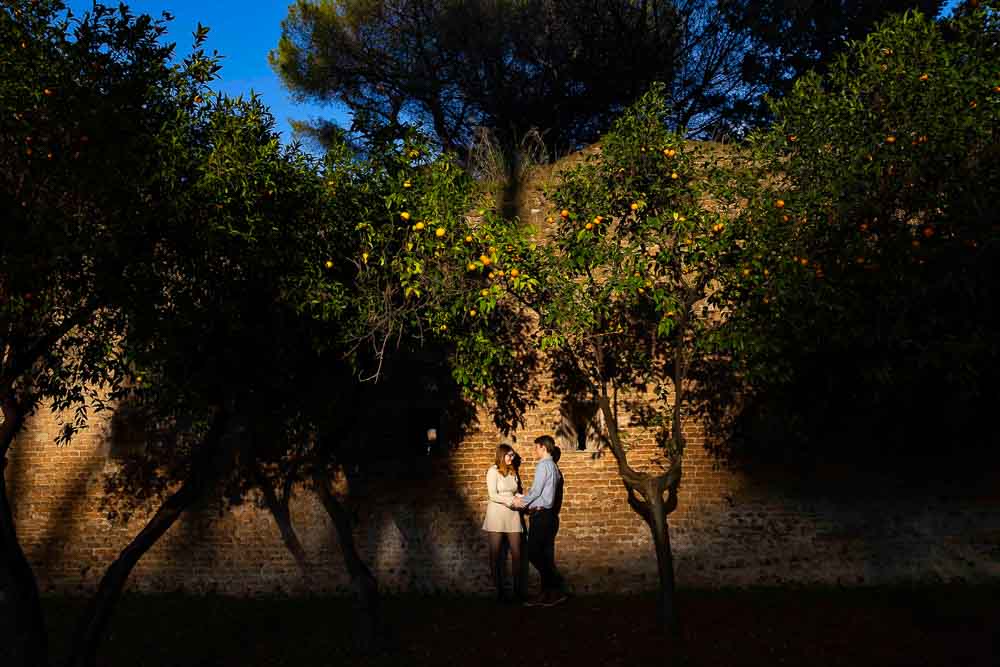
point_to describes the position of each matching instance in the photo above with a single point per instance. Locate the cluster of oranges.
(420, 226)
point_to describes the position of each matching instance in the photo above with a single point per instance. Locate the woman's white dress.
(499, 517)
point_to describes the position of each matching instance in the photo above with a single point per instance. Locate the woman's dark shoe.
(552, 598)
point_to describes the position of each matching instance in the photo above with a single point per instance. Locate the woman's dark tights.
(498, 562)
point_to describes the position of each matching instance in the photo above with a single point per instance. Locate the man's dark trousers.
(542, 547)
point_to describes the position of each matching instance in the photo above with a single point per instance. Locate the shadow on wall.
(413, 521)
(851, 505)
(63, 480)
(418, 528)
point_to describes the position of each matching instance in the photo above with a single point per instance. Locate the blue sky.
(243, 32)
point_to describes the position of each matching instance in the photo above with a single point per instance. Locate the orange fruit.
(514, 273)
(564, 213)
(780, 203)
(328, 263)
(404, 215)
(634, 206)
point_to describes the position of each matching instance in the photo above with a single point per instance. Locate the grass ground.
(854, 627)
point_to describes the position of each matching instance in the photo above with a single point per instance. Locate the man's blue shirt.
(543, 487)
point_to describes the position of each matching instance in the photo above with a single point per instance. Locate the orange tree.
(290, 291)
(422, 268)
(82, 104)
(214, 339)
(626, 296)
(401, 269)
(877, 227)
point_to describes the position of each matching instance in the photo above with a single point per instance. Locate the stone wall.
(419, 526)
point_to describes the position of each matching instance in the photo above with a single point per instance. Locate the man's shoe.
(552, 598)
(537, 601)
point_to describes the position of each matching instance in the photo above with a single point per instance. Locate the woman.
(502, 521)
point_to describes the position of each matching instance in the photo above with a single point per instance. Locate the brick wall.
(419, 528)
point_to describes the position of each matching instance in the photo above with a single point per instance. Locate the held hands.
(517, 503)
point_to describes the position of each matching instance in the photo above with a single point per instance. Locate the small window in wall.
(128, 432)
(581, 426)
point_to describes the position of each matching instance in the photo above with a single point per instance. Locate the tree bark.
(30, 638)
(666, 609)
(645, 496)
(364, 582)
(95, 620)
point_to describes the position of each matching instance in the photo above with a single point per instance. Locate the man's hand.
(518, 504)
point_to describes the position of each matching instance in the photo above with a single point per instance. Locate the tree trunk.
(666, 609)
(364, 582)
(30, 639)
(95, 620)
(645, 496)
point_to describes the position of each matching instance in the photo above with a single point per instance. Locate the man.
(543, 502)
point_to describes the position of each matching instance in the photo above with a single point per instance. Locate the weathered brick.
(424, 534)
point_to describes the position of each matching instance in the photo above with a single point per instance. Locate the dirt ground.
(852, 627)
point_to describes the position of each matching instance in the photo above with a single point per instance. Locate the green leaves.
(83, 106)
(883, 248)
(642, 241)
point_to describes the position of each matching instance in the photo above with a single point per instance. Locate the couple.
(504, 520)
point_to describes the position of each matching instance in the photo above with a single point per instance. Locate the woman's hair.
(502, 467)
